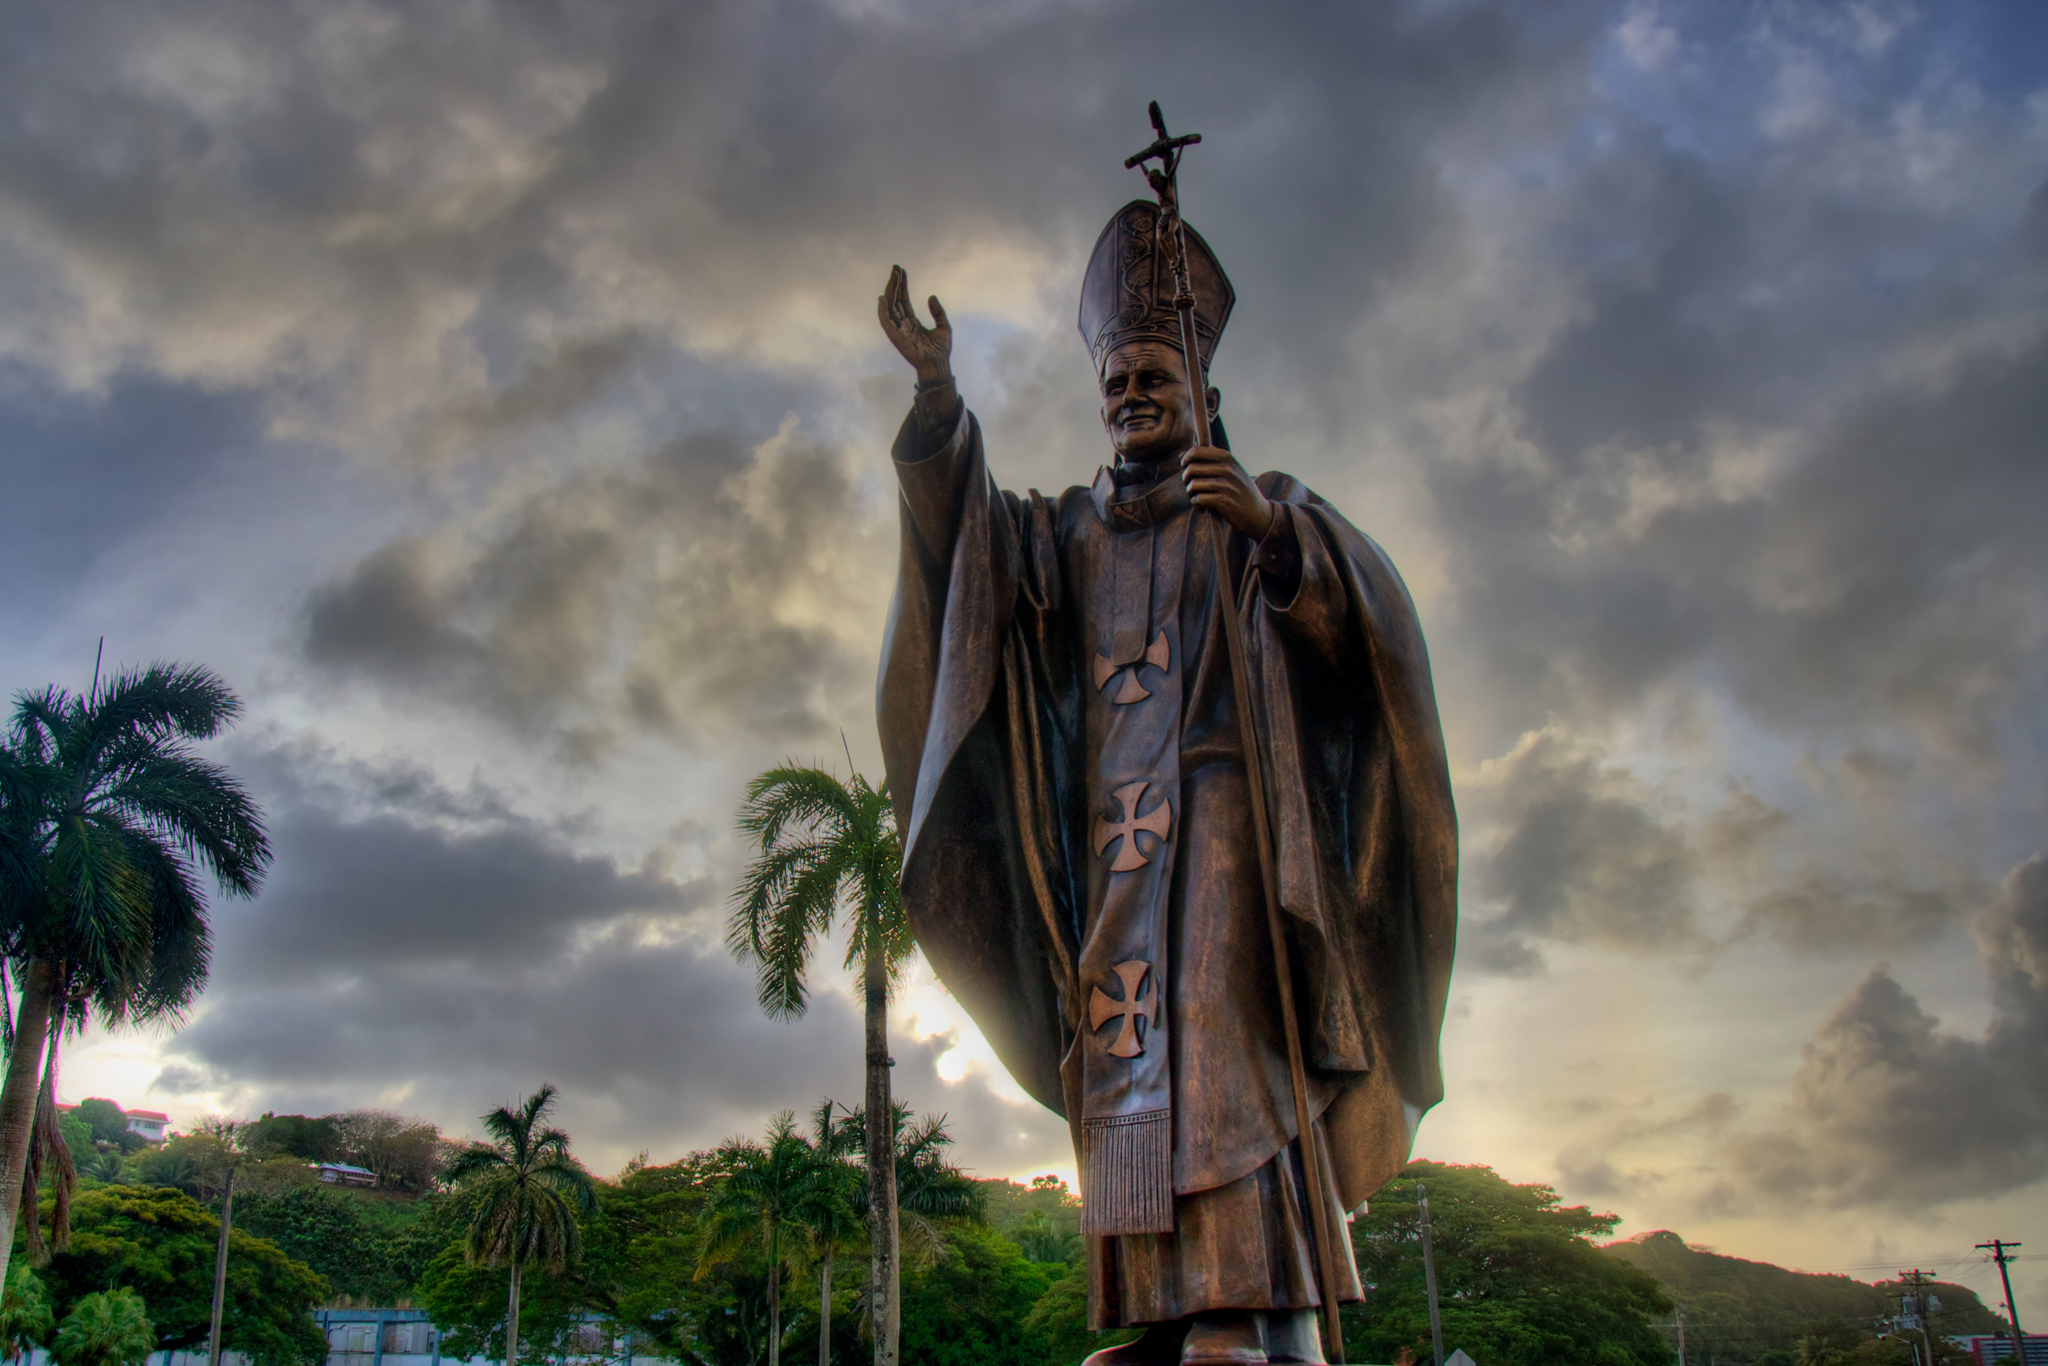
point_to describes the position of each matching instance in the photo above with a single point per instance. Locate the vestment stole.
(1131, 637)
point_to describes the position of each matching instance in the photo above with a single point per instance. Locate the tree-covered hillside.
(1739, 1311)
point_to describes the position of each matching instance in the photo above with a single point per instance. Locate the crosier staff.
(1167, 151)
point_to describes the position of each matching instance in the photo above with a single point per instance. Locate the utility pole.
(220, 1269)
(1436, 1325)
(2000, 1253)
(1918, 1308)
(1681, 1337)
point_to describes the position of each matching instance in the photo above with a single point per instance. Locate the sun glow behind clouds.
(928, 1011)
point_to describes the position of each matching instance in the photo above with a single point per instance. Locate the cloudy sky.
(491, 392)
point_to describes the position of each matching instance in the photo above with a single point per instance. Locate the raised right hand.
(929, 349)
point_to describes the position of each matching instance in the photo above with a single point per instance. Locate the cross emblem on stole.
(1133, 1008)
(1157, 822)
(1158, 654)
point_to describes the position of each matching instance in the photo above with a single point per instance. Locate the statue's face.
(1145, 406)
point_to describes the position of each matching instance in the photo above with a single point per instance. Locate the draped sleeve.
(967, 711)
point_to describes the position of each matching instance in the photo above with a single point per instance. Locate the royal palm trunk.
(512, 1319)
(825, 1310)
(774, 1300)
(18, 1098)
(881, 1146)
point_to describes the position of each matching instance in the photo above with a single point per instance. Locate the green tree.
(161, 1244)
(196, 1164)
(970, 1305)
(109, 1123)
(308, 1139)
(1519, 1276)
(405, 1154)
(328, 1230)
(468, 1300)
(528, 1193)
(25, 1317)
(1039, 1239)
(1056, 1331)
(1043, 1219)
(762, 1198)
(102, 1164)
(642, 1267)
(828, 846)
(106, 1328)
(107, 821)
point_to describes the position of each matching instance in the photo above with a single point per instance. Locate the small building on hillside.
(342, 1174)
(151, 1124)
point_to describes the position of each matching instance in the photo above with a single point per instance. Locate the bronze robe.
(1017, 634)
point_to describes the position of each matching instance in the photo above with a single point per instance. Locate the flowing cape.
(973, 671)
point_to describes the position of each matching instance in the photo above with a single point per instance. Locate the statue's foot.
(1229, 1338)
(1159, 1345)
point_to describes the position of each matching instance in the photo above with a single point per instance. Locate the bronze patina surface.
(1064, 733)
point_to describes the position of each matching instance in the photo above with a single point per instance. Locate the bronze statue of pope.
(1064, 745)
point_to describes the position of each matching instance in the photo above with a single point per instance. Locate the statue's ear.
(1216, 432)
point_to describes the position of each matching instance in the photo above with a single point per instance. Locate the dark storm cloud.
(1571, 849)
(553, 385)
(84, 473)
(459, 236)
(644, 1038)
(1889, 1109)
(381, 869)
(288, 191)
(1740, 455)
(349, 892)
(1814, 912)
(697, 591)
(433, 944)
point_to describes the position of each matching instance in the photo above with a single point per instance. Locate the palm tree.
(106, 1328)
(765, 1192)
(827, 846)
(829, 1210)
(1041, 1240)
(929, 1189)
(25, 1316)
(528, 1192)
(107, 822)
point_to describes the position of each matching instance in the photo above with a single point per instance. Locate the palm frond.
(201, 807)
(185, 701)
(105, 899)
(763, 887)
(823, 843)
(803, 916)
(173, 970)
(795, 795)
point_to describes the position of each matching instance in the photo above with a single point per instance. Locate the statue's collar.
(1139, 505)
